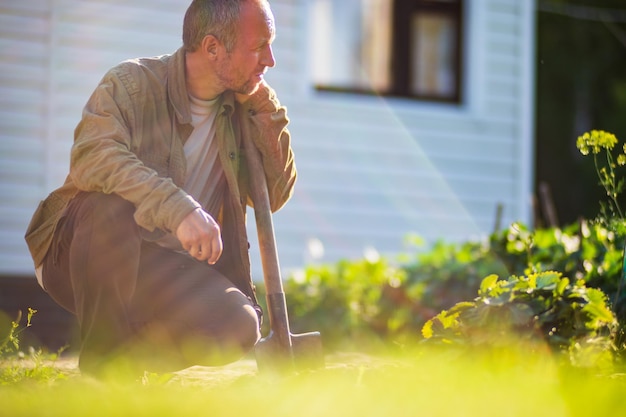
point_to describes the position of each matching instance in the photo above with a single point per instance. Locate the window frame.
(401, 66)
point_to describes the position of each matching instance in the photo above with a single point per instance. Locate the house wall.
(374, 169)
(371, 169)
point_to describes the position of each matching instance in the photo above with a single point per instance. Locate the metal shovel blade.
(305, 353)
(283, 352)
(308, 352)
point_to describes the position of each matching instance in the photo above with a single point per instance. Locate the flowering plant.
(611, 215)
(601, 144)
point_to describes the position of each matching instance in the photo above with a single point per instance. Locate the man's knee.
(233, 337)
(240, 331)
(250, 328)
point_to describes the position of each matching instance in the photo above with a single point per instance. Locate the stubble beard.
(249, 88)
(230, 81)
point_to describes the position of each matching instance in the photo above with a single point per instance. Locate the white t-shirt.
(204, 179)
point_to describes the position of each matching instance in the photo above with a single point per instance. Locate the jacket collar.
(177, 90)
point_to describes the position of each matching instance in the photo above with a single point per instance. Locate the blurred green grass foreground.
(508, 381)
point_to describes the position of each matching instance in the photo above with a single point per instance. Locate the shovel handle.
(263, 215)
(275, 296)
(278, 347)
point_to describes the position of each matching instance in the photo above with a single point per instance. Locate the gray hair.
(211, 17)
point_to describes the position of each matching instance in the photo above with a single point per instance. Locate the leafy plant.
(584, 251)
(544, 306)
(11, 342)
(448, 273)
(352, 303)
(601, 144)
(17, 366)
(383, 302)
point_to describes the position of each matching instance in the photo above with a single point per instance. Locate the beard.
(233, 80)
(248, 88)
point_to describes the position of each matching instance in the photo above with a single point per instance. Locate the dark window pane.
(433, 55)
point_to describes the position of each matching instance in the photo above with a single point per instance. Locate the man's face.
(242, 69)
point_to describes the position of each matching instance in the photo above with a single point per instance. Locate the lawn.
(505, 382)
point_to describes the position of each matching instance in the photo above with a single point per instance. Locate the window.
(408, 48)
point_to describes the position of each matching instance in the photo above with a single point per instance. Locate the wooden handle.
(263, 216)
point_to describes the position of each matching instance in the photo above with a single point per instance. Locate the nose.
(268, 57)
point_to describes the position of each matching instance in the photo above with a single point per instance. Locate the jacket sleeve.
(102, 159)
(268, 122)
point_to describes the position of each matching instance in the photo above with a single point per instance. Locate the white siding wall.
(371, 170)
(24, 61)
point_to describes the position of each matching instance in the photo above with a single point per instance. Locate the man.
(146, 242)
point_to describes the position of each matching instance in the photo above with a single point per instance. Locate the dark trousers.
(139, 305)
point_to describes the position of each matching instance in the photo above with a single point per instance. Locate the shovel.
(281, 351)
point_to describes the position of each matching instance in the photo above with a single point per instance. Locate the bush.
(353, 304)
(544, 307)
(584, 251)
(374, 302)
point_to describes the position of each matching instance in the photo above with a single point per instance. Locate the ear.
(210, 46)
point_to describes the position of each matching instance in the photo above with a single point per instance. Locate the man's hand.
(200, 236)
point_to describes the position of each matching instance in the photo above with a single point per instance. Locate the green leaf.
(561, 287)
(601, 313)
(427, 329)
(488, 284)
(448, 320)
(549, 278)
(596, 296)
(597, 307)
(461, 306)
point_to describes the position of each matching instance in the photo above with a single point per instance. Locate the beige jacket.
(130, 142)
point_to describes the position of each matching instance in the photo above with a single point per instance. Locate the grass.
(416, 382)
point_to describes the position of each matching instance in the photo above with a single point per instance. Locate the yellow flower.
(582, 146)
(596, 140)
